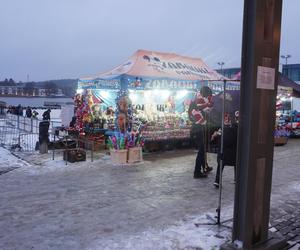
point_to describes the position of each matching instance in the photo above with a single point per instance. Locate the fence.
(67, 143)
(21, 133)
(30, 125)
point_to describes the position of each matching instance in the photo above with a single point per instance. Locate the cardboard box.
(280, 141)
(135, 155)
(118, 156)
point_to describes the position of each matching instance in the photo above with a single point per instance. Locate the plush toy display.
(202, 104)
(156, 120)
(79, 107)
(124, 112)
(89, 115)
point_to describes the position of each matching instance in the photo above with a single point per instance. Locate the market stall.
(151, 93)
(287, 118)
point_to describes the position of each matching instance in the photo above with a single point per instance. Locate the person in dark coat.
(229, 149)
(19, 110)
(46, 115)
(9, 110)
(28, 112)
(73, 122)
(35, 114)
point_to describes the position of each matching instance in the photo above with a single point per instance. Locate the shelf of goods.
(156, 133)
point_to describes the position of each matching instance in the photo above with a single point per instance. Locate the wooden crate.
(74, 155)
(92, 142)
(98, 146)
(135, 155)
(118, 156)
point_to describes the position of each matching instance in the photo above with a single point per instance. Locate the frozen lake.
(38, 104)
(36, 101)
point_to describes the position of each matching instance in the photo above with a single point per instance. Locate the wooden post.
(260, 59)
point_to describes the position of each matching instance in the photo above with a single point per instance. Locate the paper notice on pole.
(265, 78)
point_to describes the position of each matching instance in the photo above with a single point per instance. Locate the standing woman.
(201, 105)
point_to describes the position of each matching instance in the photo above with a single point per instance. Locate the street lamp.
(286, 57)
(221, 65)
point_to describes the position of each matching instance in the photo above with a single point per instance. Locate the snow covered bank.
(7, 160)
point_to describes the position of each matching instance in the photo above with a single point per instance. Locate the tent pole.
(218, 210)
(222, 156)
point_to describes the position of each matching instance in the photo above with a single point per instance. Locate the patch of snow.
(183, 235)
(296, 186)
(7, 160)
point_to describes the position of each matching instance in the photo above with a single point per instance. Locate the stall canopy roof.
(286, 82)
(282, 81)
(150, 64)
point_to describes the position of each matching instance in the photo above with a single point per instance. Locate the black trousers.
(200, 161)
(217, 179)
(229, 150)
(198, 137)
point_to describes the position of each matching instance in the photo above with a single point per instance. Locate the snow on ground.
(7, 160)
(182, 235)
(34, 163)
(96, 205)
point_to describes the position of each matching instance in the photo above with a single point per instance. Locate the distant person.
(35, 114)
(73, 122)
(14, 110)
(19, 110)
(46, 115)
(28, 112)
(9, 110)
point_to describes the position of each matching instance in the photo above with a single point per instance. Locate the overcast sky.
(55, 39)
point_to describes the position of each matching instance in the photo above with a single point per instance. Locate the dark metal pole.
(222, 154)
(260, 59)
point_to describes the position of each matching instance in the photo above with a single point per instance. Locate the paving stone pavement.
(286, 221)
(70, 207)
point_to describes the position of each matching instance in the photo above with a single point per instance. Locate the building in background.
(229, 73)
(10, 88)
(292, 71)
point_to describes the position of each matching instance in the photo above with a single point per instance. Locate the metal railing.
(21, 133)
(72, 143)
(30, 125)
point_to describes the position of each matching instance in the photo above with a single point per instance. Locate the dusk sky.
(58, 39)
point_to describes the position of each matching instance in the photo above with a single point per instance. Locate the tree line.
(51, 87)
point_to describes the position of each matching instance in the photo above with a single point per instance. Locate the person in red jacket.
(197, 112)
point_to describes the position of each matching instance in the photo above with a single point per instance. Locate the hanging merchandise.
(79, 112)
(201, 106)
(120, 141)
(123, 112)
(153, 92)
